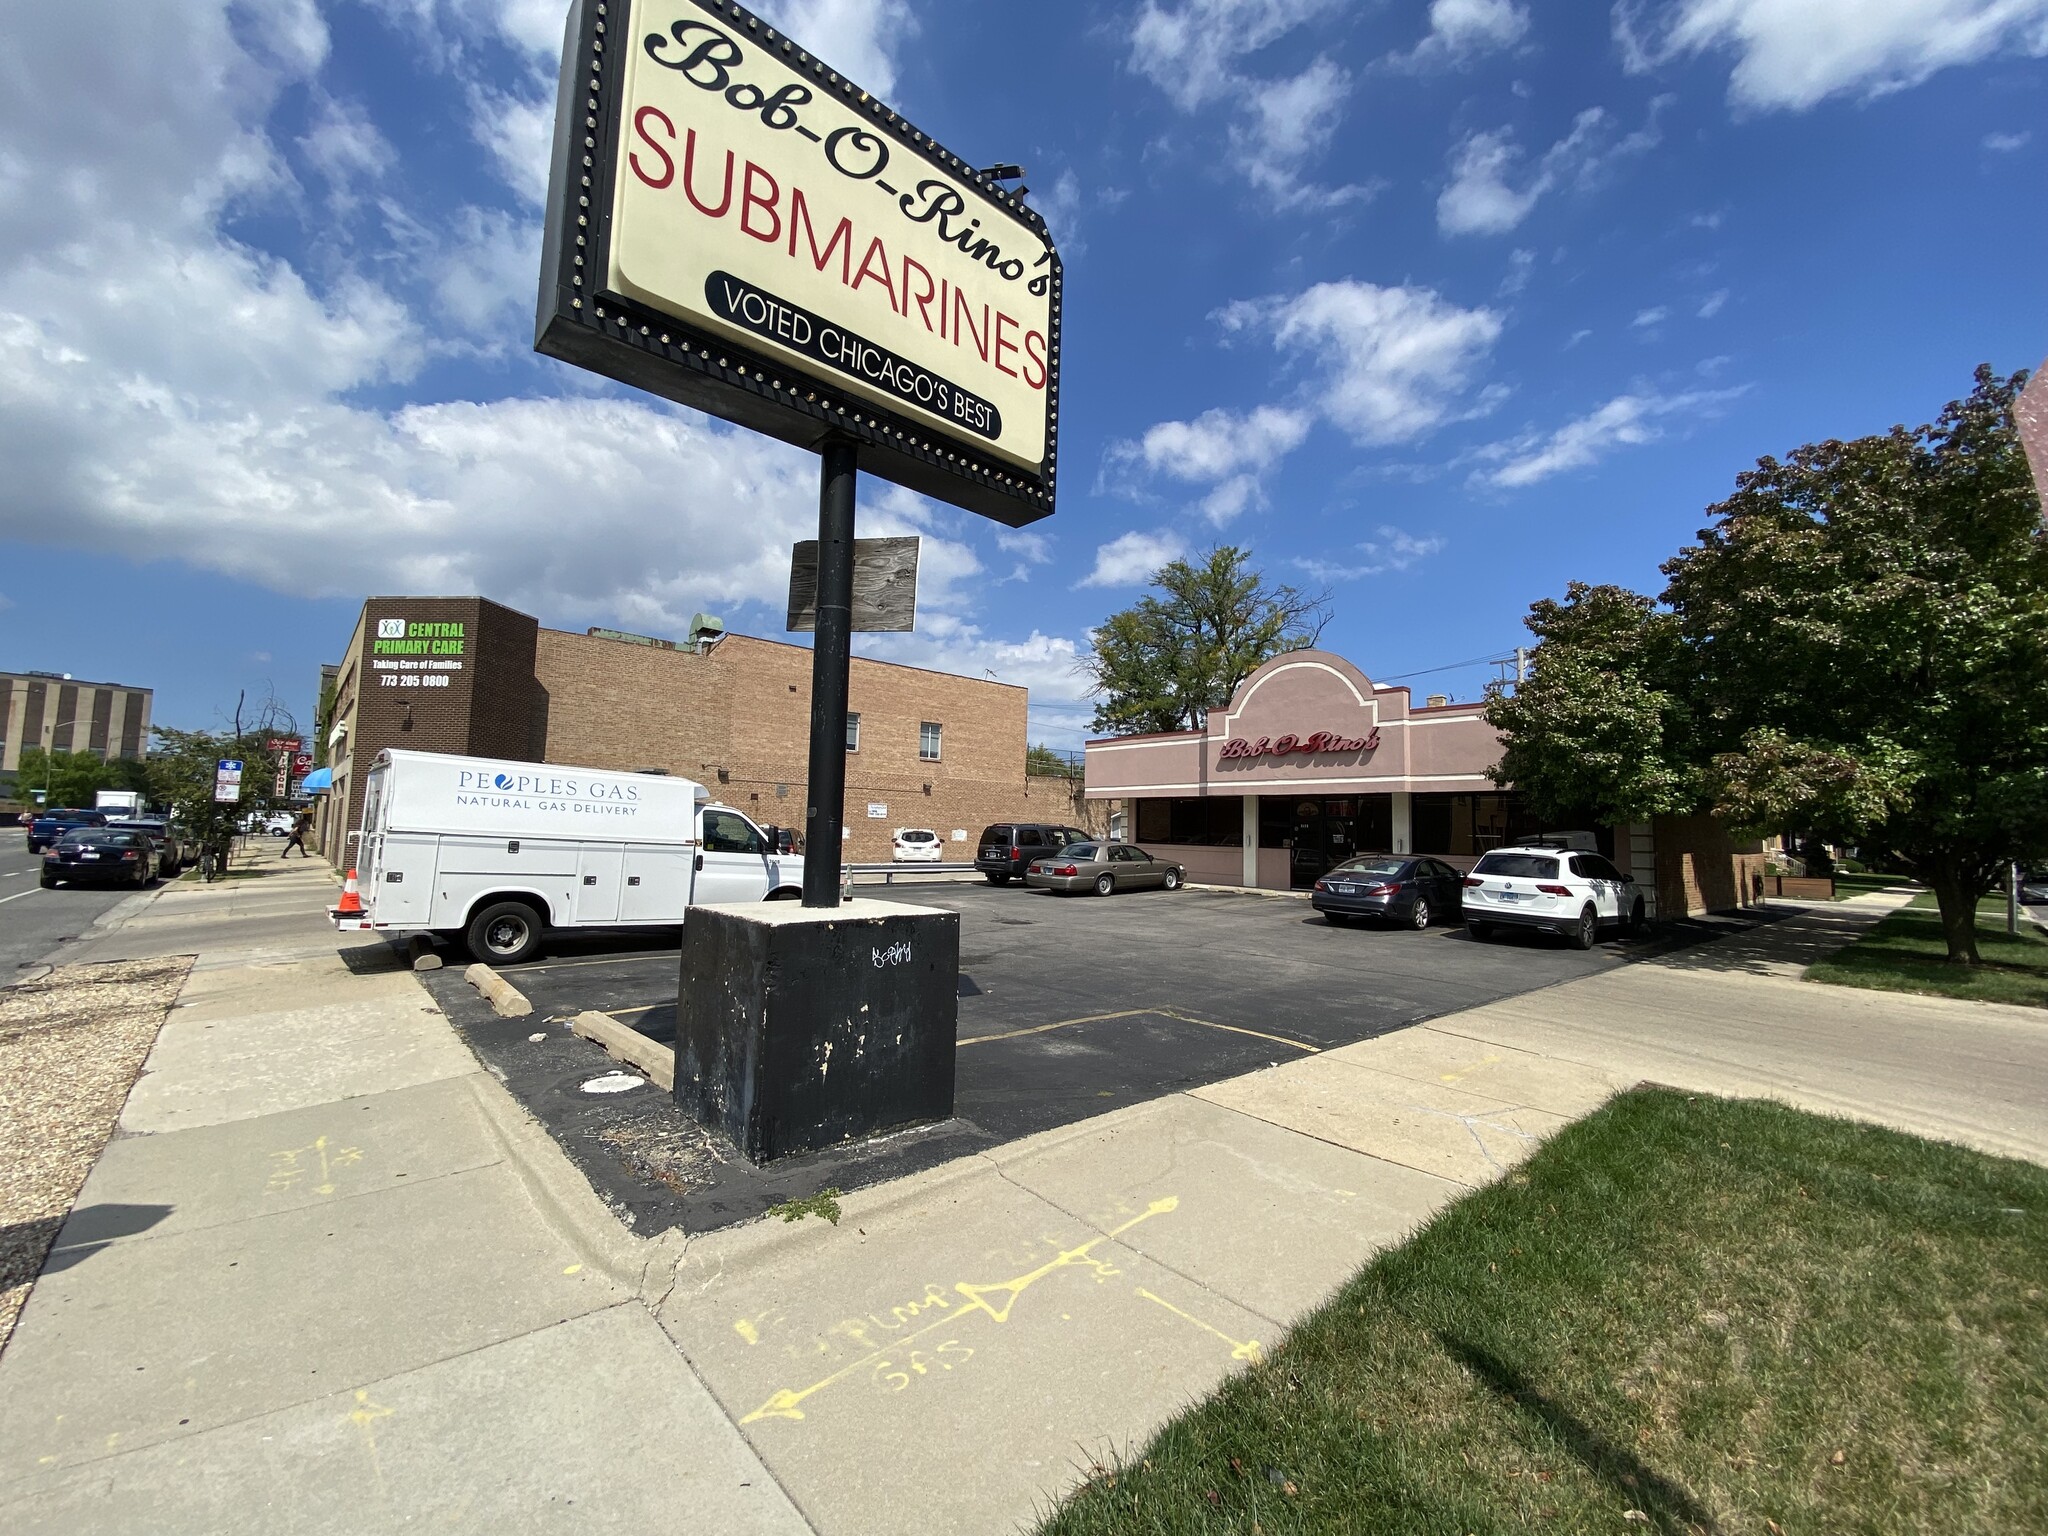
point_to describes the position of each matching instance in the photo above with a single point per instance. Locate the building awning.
(316, 781)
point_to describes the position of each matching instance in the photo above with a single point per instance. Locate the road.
(33, 921)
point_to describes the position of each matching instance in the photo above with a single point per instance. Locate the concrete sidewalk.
(374, 1296)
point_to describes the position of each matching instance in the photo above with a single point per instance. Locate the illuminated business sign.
(735, 225)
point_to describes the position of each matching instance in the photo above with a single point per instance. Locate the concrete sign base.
(800, 1028)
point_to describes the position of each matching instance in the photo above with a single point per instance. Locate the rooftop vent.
(1437, 700)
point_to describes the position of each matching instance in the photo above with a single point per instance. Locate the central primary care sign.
(736, 225)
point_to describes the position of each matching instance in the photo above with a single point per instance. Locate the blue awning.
(316, 781)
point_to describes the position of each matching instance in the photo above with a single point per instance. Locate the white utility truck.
(118, 802)
(499, 854)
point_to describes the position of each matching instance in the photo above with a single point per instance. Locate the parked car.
(98, 856)
(1390, 889)
(272, 823)
(51, 825)
(1007, 848)
(2034, 888)
(918, 845)
(1103, 868)
(1553, 890)
(170, 846)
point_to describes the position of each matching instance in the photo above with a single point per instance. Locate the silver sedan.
(1103, 868)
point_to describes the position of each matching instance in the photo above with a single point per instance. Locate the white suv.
(918, 845)
(1556, 890)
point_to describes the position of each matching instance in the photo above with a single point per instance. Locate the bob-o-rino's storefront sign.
(734, 224)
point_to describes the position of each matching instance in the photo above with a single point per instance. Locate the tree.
(1870, 621)
(181, 772)
(1045, 761)
(1165, 662)
(72, 778)
(1856, 649)
(1603, 726)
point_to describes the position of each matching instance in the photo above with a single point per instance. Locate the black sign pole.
(831, 660)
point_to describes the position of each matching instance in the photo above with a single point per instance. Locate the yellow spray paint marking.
(291, 1166)
(364, 1416)
(573, 1269)
(785, 1404)
(1136, 1013)
(1466, 1071)
(745, 1329)
(1244, 1349)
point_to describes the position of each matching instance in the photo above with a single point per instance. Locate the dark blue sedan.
(96, 856)
(1389, 888)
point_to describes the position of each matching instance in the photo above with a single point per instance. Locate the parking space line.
(1132, 1013)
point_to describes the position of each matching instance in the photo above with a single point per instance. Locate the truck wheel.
(504, 933)
(996, 879)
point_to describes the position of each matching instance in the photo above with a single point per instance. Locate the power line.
(1477, 661)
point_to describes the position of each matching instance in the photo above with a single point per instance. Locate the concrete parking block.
(205, 1072)
(1455, 1135)
(954, 1353)
(1268, 1218)
(594, 1424)
(212, 1175)
(1498, 1070)
(152, 1340)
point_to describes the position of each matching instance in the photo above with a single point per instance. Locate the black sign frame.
(580, 322)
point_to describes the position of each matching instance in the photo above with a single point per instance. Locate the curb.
(562, 1195)
(507, 1000)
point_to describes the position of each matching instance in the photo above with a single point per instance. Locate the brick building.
(60, 713)
(466, 675)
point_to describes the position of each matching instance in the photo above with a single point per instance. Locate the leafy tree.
(1165, 662)
(181, 773)
(1857, 649)
(72, 778)
(1603, 726)
(1044, 760)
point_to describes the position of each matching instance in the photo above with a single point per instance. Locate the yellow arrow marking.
(1240, 1349)
(785, 1404)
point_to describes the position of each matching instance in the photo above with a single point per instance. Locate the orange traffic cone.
(350, 900)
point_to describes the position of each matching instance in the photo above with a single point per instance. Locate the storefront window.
(1216, 822)
(1322, 833)
(1465, 826)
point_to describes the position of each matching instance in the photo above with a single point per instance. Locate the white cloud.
(2006, 143)
(1131, 559)
(1460, 30)
(167, 392)
(1792, 54)
(1482, 198)
(1193, 53)
(859, 38)
(1646, 318)
(1393, 550)
(1711, 305)
(1061, 209)
(344, 146)
(1049, 665)
(1217, 444)
(1626, 421)
(519, 133)
(1520, 265)
(1390, 362)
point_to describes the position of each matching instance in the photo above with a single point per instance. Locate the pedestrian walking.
(300, 828)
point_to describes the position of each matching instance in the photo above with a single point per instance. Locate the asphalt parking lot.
(1069, 1007)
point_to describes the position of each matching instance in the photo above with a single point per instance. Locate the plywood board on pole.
(884, 586)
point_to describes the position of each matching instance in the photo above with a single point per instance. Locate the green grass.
(1847, 885)
(1682, 1315)
(1906, 953)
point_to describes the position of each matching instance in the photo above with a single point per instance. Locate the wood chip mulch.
(71, 1046)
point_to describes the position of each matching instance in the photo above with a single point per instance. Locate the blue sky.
(1439, 306)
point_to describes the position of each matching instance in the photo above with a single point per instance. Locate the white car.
(1556, 890)
(918, 845)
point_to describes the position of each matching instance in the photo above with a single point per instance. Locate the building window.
(1465, 826)
(852, 731)
(928, 741)
(1214, 822)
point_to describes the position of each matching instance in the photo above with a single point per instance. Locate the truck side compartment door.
(599, 870)
(657, 884)
(399, 892)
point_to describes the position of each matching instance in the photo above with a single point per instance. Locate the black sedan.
(1390, 889)
(96, 856)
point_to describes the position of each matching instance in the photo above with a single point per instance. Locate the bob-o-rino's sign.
(736, 225)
